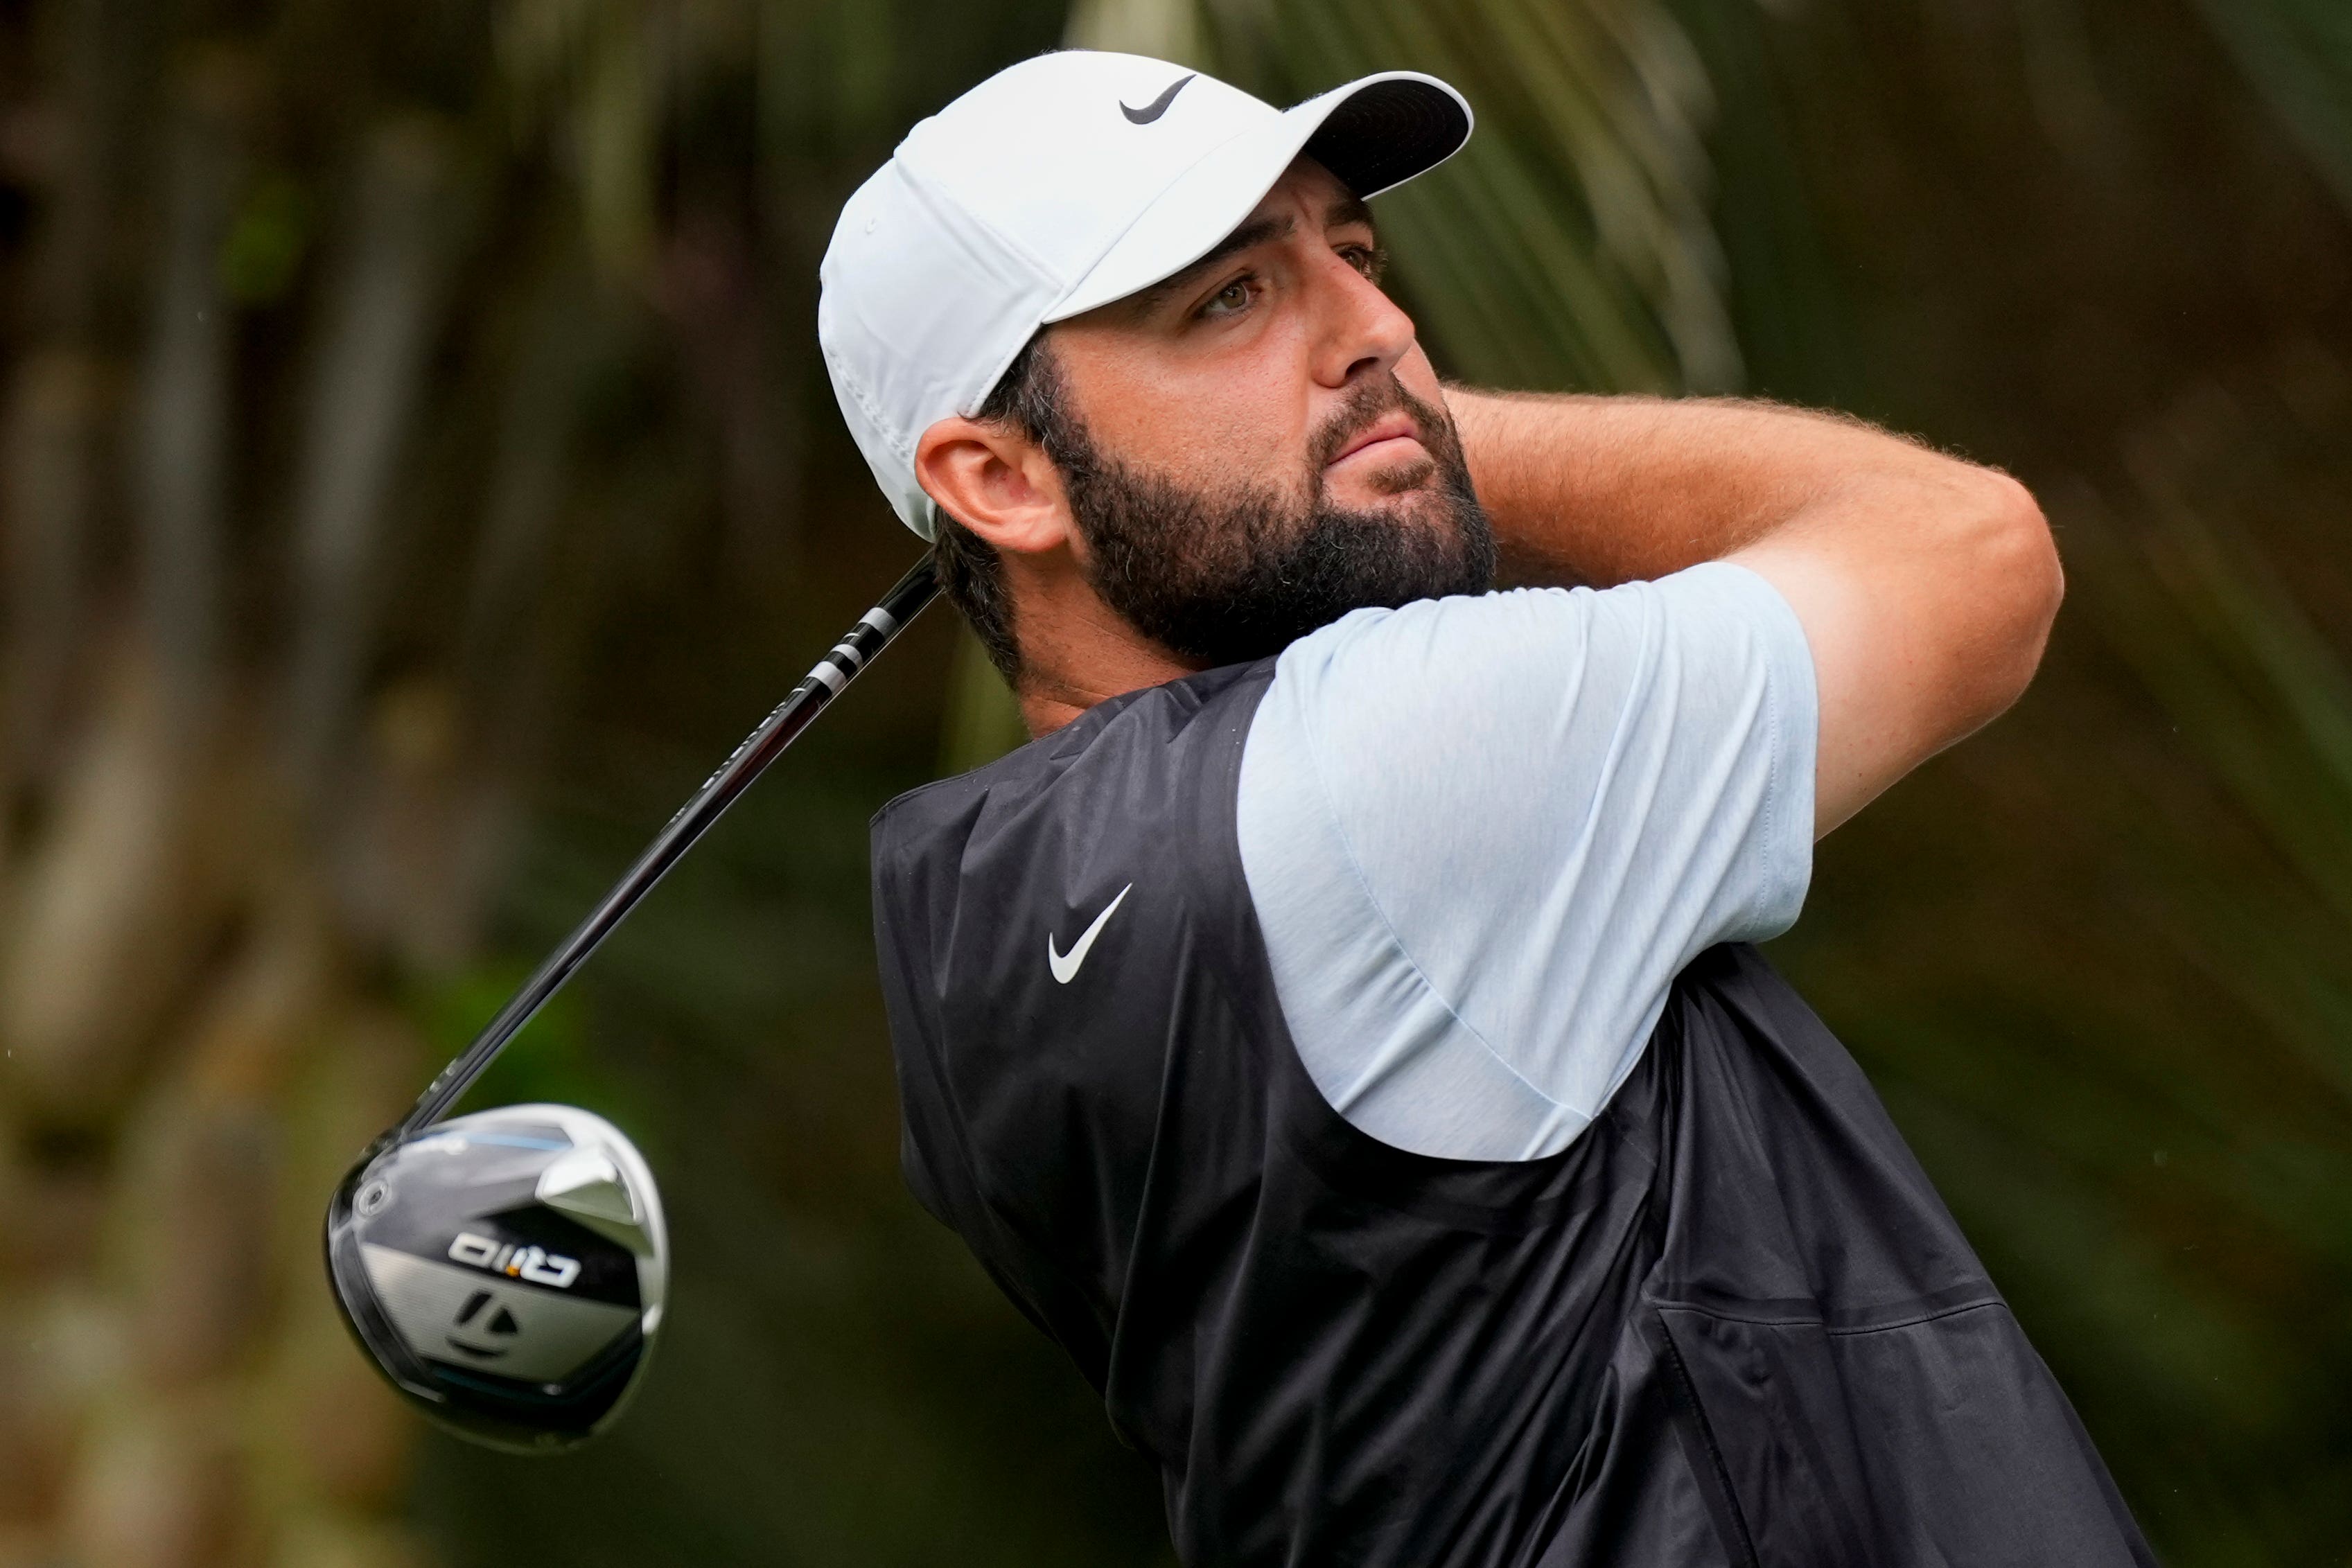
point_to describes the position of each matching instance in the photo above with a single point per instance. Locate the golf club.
(507, 1270)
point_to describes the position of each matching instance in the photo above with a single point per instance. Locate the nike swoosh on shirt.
(1065, 964)
(1157, 106)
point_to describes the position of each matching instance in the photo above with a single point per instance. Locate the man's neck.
(1075, 651)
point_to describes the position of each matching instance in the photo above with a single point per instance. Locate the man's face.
(1259, 446)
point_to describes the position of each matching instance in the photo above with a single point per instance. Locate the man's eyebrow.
(1350, 209)
(1255, 232)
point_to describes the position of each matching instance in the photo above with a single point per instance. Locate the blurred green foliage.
(2298, 55)
(263, 251)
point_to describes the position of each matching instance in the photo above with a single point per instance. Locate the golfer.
(1336, 1029)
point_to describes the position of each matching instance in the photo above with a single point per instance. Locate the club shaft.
(874, 631)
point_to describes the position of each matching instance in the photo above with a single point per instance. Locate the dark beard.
(1227, 578)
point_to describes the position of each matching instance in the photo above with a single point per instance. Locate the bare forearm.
(1602, 490)
(1926, 585)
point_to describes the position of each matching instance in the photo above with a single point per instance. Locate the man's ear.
(996, 482)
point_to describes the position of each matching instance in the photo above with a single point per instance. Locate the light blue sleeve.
(1484, 834)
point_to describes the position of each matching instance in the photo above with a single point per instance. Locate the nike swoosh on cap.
(1157, 106)
(1065, 964)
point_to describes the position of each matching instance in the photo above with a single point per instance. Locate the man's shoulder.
(1381, 697)
(1525, 626)
(1094, 758)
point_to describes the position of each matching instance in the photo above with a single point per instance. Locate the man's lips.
(1389, 427)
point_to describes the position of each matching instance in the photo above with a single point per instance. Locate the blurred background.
(415, 471)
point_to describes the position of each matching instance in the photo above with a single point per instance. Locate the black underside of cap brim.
(1386, 133)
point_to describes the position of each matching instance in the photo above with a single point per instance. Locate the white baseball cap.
(1058, 184)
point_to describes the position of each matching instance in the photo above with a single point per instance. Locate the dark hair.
(1028, 398)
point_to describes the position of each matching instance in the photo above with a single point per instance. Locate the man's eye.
(1369, 260)
(1233, 296)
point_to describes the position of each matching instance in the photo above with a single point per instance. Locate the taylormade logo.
(1065, 964)
(530, 1263)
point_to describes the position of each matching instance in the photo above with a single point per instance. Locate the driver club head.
(506, 1272)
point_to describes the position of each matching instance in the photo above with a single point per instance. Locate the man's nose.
(1362, 331)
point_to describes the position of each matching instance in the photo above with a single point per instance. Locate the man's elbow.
(2021, 583)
